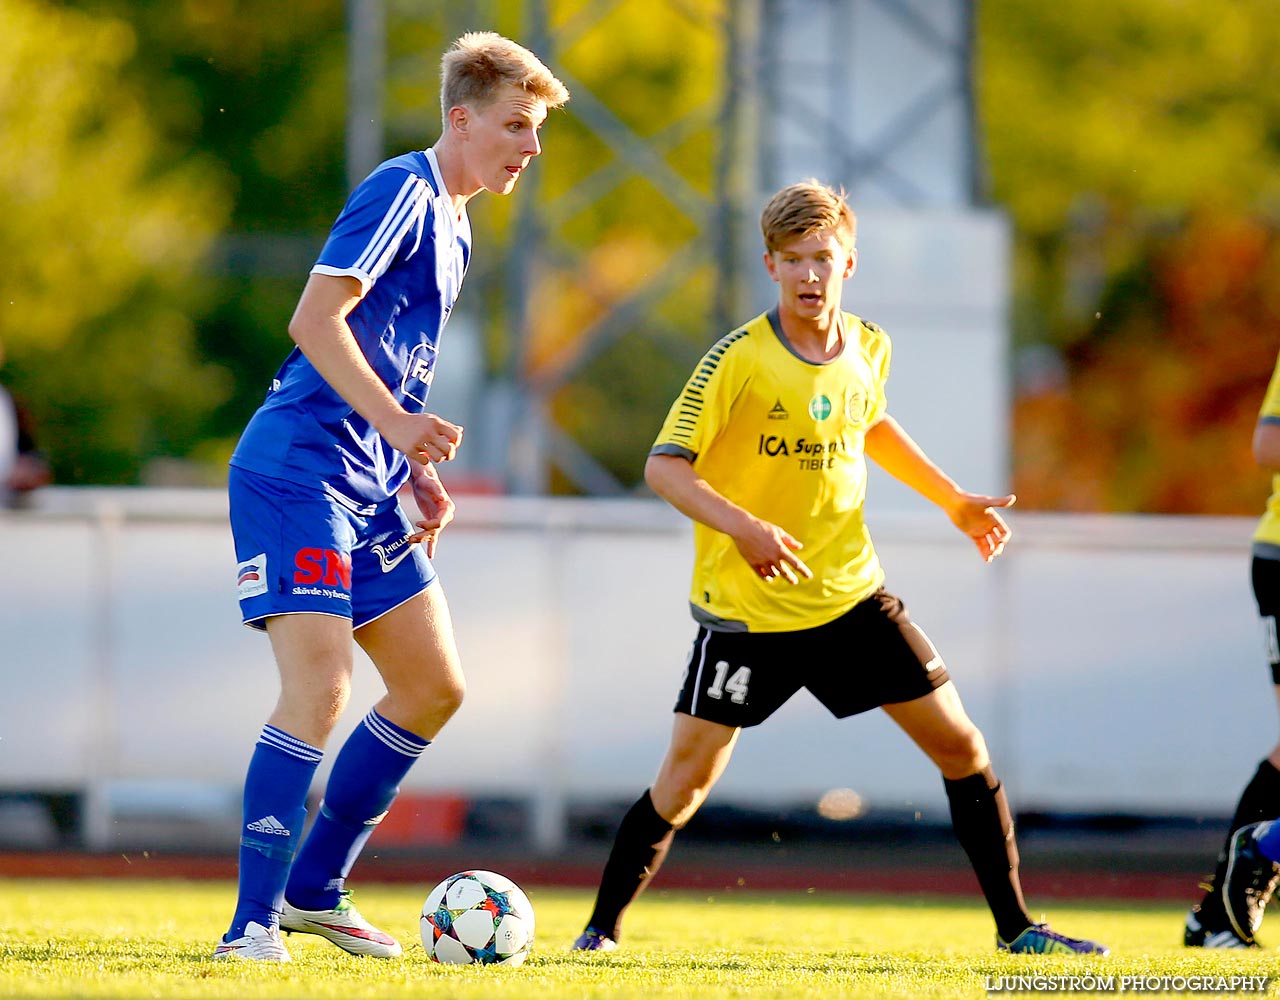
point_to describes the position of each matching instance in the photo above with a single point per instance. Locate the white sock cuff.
(278, 739)
(399, 740)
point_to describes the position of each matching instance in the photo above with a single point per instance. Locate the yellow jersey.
(783, 438)
(1266, 539)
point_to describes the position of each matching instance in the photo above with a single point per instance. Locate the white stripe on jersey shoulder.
(410, 201)
(380, 233)
(412, 216)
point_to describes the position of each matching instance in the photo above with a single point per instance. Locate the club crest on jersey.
(251, 577)
(857, 406)
(820, 407)
(419, 373)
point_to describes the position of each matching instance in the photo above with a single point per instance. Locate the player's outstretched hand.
(772, 552)
(424, 437)
(435, 505)
(978, 517)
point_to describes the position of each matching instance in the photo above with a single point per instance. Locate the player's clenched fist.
(424, 437)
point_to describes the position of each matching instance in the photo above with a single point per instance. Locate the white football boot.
(257, 944)
(344, 926)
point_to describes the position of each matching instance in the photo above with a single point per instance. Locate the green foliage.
(1159, 105)
(1099, 120)
(128, 939)
(101, 229)
(259, 87)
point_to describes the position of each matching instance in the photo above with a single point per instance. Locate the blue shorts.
(302, 550)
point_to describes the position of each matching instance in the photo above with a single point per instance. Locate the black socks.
(639, 849)
(984, 826)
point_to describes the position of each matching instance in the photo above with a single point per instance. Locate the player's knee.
(451, 696)
(674, 801)
(684, 784)
(431, 701)
(689, 788)
(965, 752)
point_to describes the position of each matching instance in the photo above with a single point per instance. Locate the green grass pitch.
(113, 938)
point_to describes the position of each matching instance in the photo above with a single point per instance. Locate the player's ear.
(852, 265)
(459, 119)
(769, 265)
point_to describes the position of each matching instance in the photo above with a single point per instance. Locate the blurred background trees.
(104, 219)
(1136, 147)
(169, 168)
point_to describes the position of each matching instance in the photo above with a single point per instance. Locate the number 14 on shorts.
(735, 684)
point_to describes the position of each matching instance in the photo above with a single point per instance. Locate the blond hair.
(802, 209)
(479, 63)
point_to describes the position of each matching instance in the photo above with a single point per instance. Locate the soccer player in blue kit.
(323, 548)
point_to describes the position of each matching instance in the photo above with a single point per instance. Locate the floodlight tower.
(872, 95)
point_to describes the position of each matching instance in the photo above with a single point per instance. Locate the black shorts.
(872, 655)
(1266, 590)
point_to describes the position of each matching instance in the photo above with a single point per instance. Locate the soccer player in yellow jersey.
(765, 449)
(1209, 924)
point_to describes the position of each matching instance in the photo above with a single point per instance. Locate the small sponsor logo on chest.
(419, 373)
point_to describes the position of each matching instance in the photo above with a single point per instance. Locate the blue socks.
(1268, 835)
(365, 780)
(275, 809)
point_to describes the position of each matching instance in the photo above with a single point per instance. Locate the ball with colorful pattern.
(477, 918)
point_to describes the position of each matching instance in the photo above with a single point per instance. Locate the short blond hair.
(480, 63)
(800, 210)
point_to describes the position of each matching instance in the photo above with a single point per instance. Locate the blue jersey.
(399, 237)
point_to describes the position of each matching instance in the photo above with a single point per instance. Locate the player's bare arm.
(434, 504)
(892, 448)
(769, 550)
(1266, 445)
(319, 328)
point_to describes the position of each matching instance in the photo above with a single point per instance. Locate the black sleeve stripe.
(713, 357)
(691, 401)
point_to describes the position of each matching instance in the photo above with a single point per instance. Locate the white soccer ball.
(477, 918)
